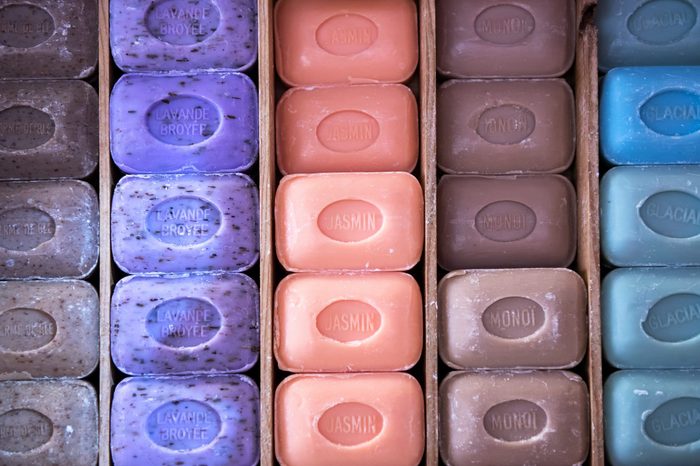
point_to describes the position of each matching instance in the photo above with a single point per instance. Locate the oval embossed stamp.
(662, 22)
(506, 124)
(505, 221)
(348, 131)
(513, 317)
(515, 420)
(183, 120)
(348, 320)
(184, 221)
(25, 228)
(672, 113)
(26, 329)
(504, 24)
(674, 214)
(346, 34)
(183, 425)
(674, 318)
(350, 424)
(182, 22)
(23, 127)
(350, 220)
(25, 26)
(23, 430)
(675, 423)
(183, 322)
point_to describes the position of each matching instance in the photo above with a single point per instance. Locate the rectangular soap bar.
(48, 229)
(48, 422)
(185, 223)
(651, 115)
(514, 418)
(171, 124)
(498, 127)
(178, 324)
(346, 420)
(504, 222)
(651, 417)
(48, 129)
(651, 215)
(364, 128)
(522, 318)
(183, 35)
(349, 221)
(322, 42)
(348, 323)
(48, 38)
(49, 328)
(523, 38)
(653, 33)
(188, 421)
(651, 317)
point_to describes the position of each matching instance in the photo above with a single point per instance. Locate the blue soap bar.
(651, 116)
(651, 318)
(652, 418)
(651, 215)
(655, 32)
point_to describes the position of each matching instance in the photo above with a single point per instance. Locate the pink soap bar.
(370, 128)
(348, 323)
(349, 420)
(349, 221)
(321, 41)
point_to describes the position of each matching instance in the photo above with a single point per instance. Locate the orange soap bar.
(370, 128)
(342, 41)
(349, 420)
(348, 323)
(349, 221)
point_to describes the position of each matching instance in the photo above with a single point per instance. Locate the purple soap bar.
(174, 124)
(185, 223)
(179, 324)
(185, 421)
(183, 35)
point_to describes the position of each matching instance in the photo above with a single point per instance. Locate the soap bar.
(322, 42)
(651, 115)
(347, 129)
(348, 323)
(48, 422)
(514, 418)
(651, 317)
(183, 35)
(523, 38)
(349, 221)
(651, 417)
(48, 229)
(48, 38)
(185, 223)
(650, 215)
(49, 328)
(187, 421)
(656, 32)
(346, 420)
(498, 127)
(515, 221)
(185, 324)
(523, 318)
(48, 129)
(171, 124)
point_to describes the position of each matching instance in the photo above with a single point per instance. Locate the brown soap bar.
(519, 39)
(514, 419)
(48, 328)
(48, 423)
(512, 318)
(48, 38)
(48, 229)
(505, 222)
(48, 129)
(501, 127)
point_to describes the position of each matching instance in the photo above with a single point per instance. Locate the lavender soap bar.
(183, 35)
(185, 223)
(169, 124)
(185, 324)
(188, 421)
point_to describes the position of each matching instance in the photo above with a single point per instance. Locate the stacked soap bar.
(349, 224)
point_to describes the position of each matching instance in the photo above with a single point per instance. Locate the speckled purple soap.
(185, 223)
(176, 324)
(174, 124)
(185, 421)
